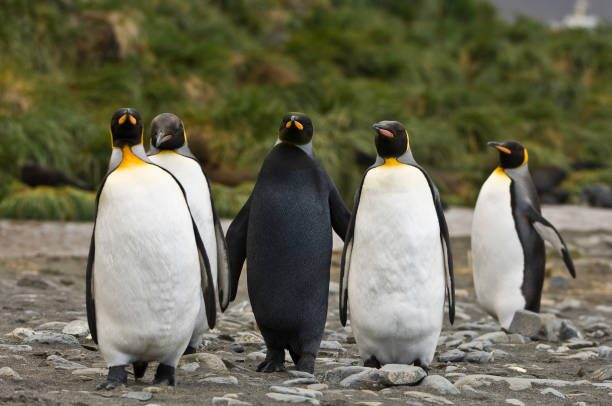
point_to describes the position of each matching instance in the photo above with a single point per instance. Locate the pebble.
(301, 374)
(51, 338)
(576, 344)
(206, 360)
(427, 397)
(370, 374)
(237, 347)
(309, 393)
(51, 326)
(400, 374)
(497, 337)
(452, 356)
(453, 343)
(318, 386)
(331, 346)
(604, 352)
(15, 348)
(603, 374)
(158, 389)
(191, 367)
(450, 368)
(552, 391)
(9, 373)
(543, 347)
(249, 338)
(518, 339)
(20, 333)
(142, 396)
(223, 401)
(475, 346)
(300, 381)
(222, 380)
(479, 357)
(338, 374)
(515, 402)
(256, 356)
(90, 371)
(526, 323)
(77, 328)
(439, 384)
(61, 363)
(583, 355)
(281, 397)
(518, 384)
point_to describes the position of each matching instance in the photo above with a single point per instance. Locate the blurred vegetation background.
(450, 70)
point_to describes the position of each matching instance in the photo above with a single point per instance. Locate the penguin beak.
(498, 146)
(380, 130)
(160, 138)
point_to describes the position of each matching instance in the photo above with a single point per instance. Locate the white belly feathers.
(146, 281)
(497, 253)
(396, 282)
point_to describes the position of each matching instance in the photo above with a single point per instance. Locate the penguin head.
(295, 128)
(391, 139)
(167, 132)
(511, 153)
(126, 127)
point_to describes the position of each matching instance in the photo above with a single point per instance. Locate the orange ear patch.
(122, 119)
(299, 125)
(132, 120)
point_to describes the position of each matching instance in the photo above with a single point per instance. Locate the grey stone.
(142, 396)
(526, 323)
(300, 381)
(576, 344)
(450, 368)
(569, 304)
(440, 384)
(518, 339)
(604, 352)
(583, 355)
(551, 391)
(8, 372)
(499, 354)
(515, 402)
(427, 397)
(15, 348)
(206, 360)
(237, 347)
(400, 374)
(338, 374)
(368, 375)
(496, 337)
(51, 338)
(221, 380)
(90, 371)
(475, 346)
(603, 374)
(452, 356)
(191, 367)
(61, 363)
(331, 346)
(281, 397)
(605, 385)
(223, 401)
(318, 386)
(543, 347)
(309, 393)
(518, 384)
(479, 357)
(78, 328)
(51, 326)
(301, 374)
(453, 343)
(20, 333)
(463, 334)
(256, 356)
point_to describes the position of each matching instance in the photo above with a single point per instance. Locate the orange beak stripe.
(503, 149)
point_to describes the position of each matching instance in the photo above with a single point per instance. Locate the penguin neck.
(518, 173)
(128, 157)
(182, 150)
(307, 148)
(406, 158)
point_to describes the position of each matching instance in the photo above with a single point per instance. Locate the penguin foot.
(117, 376)
(274, 362)
(306, 363)
(418, 363)
(372, 362)
(190, 350)
(140, 368)
(164, 375)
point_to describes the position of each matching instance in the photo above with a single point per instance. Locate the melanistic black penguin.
(507, 230)
(284, 231)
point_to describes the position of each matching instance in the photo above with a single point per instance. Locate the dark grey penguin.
(284, 231)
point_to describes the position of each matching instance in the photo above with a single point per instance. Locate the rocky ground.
(562, 356)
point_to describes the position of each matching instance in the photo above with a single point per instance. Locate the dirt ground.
(37, 289)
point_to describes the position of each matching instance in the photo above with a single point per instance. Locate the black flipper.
(237, 246)
(348, 247)
(549, 233)
(206, 280)
(339, 213)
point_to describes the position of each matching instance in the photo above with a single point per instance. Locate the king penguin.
(170, 150)
(508, 252)
(147, 265)
(284, 231)
(397, 264)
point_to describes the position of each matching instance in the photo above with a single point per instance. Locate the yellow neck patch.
(526, 158)
(500, 171)
(129, 160)
(392, 162)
